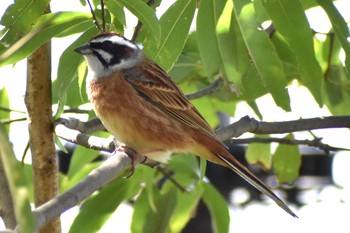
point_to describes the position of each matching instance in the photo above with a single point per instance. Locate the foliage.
(230, 42)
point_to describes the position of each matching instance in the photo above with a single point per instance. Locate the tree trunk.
(38, 102)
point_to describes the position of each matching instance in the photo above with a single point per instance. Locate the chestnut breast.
(133, 120)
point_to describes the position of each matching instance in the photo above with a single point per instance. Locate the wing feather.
(155, 85)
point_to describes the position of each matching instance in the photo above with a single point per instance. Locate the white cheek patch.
(105, 55)
(96, 68)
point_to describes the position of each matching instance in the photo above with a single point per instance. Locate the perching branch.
(108, 171)
(245, 124)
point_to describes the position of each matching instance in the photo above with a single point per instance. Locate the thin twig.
(103, 16)
(25, 151)
(214, 87)
(5, 109)
(312, 143)
(169, 176)
(139, 24)
(94, 16)
(9, 121)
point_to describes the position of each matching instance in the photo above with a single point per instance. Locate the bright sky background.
(327, 211)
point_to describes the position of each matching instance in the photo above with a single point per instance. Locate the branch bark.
(7, 211)
(38, 103)
(109, 170)
(248, 124)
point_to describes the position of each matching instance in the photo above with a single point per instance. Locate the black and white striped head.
(109, 52)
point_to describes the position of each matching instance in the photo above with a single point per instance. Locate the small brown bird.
(142, 107)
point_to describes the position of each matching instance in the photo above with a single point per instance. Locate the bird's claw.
(132, 154)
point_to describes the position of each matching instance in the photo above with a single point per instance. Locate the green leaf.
(80, 158)
(78, 28)
(17, 184)
(96, 210)
(147, 220)
(332, 86)
(254, 86)
(187, 203)
(5, 103)
(188, 165)
(287, 57)
(19, 18)
(218, 209)
(286, 162)
(209, 12)
(227, 43)
(69, 182)
(340, 28)
(290, 21)
(262, 53)
(148, 176)
(175, 25)
(118, 15)
(146, 15)
(46, 28)
(66, 86)
(259, 153)
(141, 209)
(202, 169)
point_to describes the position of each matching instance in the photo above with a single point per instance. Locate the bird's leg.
(135, 157)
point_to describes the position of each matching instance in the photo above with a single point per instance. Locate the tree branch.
(245, 124)
(85, 140)
(248, 124)
(214, 87)
(109, 170)
(312, 143)
(7, 211)
(90, 126)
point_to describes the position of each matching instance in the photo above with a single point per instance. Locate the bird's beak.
(84, 49)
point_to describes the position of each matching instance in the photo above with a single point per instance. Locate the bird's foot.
(135, 157)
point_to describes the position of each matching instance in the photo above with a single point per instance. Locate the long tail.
(241, 170)
(224, 157)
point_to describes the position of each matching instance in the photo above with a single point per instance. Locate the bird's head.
(109, 52)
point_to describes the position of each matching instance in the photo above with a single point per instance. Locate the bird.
(139, 104)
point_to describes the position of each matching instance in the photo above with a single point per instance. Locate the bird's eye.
(107, 44)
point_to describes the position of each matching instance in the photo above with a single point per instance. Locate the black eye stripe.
(117, 52)
(100, 58)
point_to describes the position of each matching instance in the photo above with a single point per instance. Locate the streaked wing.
(153, 83)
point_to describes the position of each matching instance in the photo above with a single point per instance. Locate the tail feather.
(241, 170)
(214, 150)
